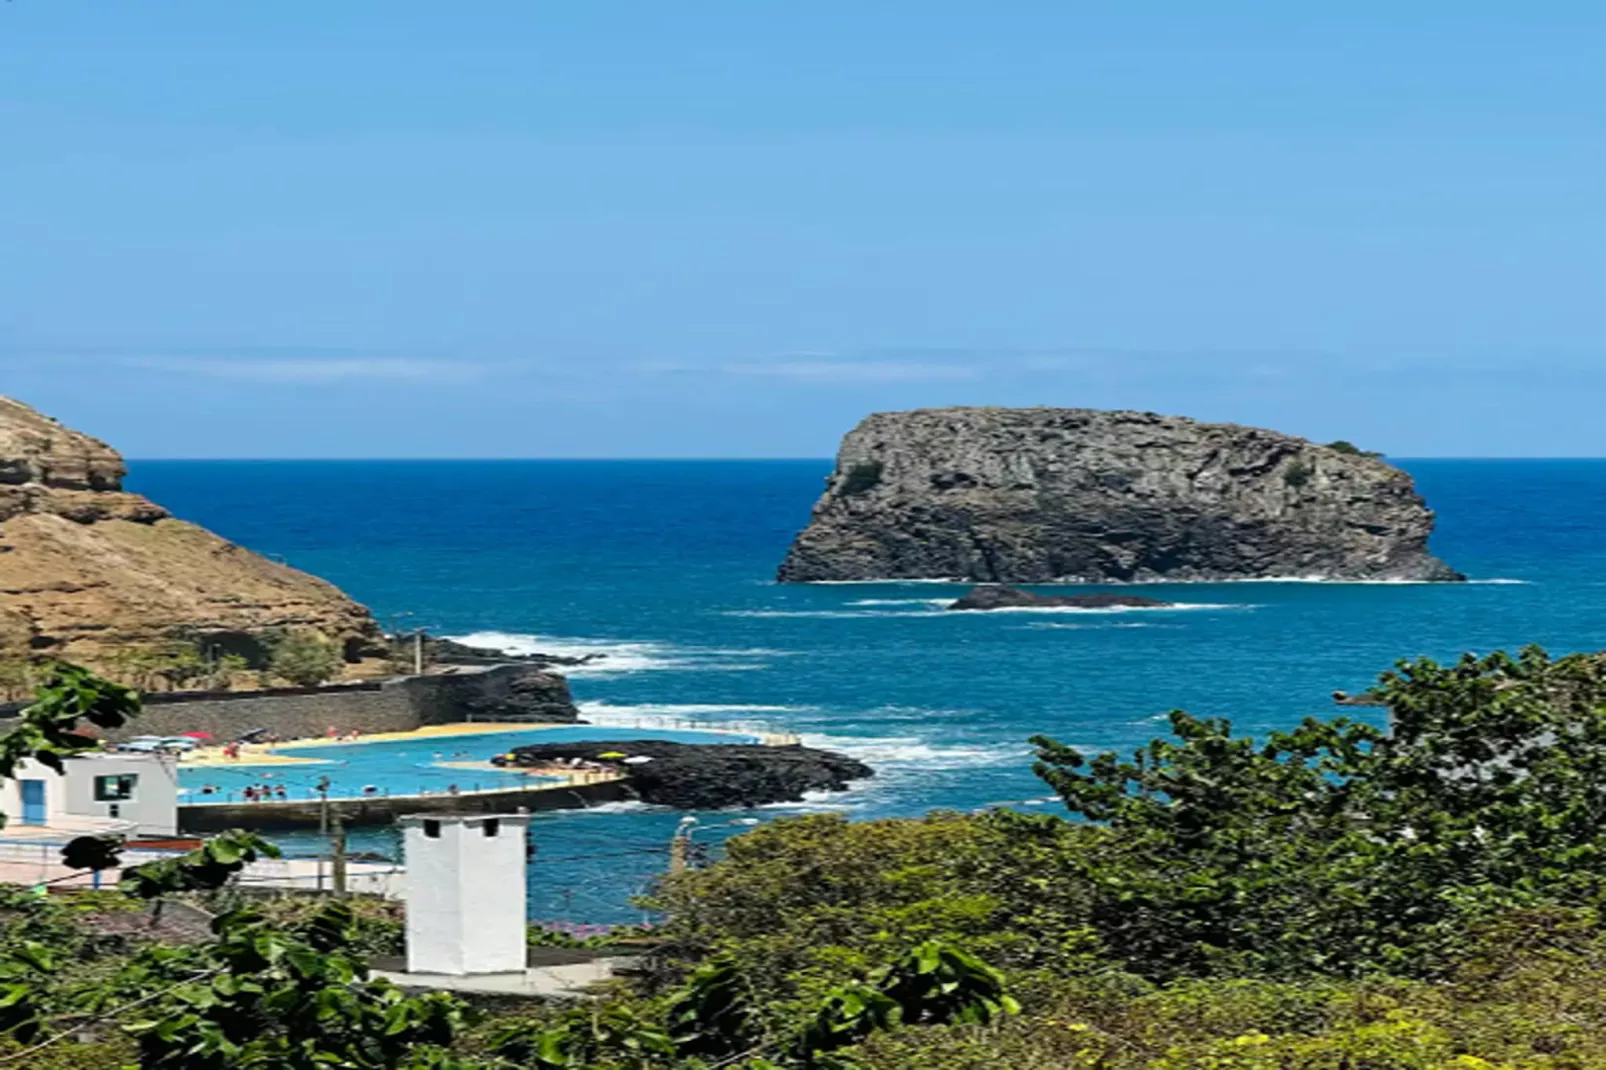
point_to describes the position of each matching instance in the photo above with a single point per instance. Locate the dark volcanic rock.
(451, 652)
(994, 596)
(1039, 495)
(697, 776)
(514, 693)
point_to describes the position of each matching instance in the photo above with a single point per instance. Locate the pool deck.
(579, 790)
(271, 753)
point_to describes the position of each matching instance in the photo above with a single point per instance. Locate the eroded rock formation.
(1041, 495)
(88, 570)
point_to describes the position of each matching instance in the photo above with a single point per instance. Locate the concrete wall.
(153, 808)
(384, 809)
(502, 692)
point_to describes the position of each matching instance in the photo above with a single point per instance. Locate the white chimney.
(465, 893)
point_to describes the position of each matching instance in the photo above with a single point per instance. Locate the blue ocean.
(666, 568)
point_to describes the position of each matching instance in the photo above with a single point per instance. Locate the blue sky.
(732, 228)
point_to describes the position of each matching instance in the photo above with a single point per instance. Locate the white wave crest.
(1073, 581)
(623, 806)
(911, 753)
(936, 608)
(882, 753)
(830, 614)
(751, 720)
(1172, 607)
(1341, 581)
(615, 657)
(901, 602)
(883, 582)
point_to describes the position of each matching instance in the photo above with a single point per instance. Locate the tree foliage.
(1339, 847)
(304, 659)
(1339, 895)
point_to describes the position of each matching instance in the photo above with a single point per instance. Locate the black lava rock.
(712, 776)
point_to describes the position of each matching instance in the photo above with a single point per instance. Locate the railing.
(560, 778)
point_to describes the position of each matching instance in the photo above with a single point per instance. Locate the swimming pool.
(405, 766)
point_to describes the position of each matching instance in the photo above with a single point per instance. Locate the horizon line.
(708, 458)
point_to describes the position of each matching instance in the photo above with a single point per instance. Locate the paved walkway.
(535, 983)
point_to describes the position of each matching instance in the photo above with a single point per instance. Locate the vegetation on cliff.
(1333, 896)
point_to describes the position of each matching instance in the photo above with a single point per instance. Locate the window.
(492, 826)
(432, 829)
(115, 788)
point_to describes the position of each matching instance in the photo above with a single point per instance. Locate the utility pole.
(680, 846)
(323, 805)
(337, 852)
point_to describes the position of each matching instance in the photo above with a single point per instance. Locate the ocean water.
(666, 567)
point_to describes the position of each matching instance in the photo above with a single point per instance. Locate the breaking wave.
(615, 657)
(937, 608)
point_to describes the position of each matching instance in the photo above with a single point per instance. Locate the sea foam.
(616, 657)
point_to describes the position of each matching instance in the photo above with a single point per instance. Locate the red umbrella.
(196, 735)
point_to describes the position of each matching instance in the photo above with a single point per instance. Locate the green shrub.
(1351, 449)
(304, 659)
(1298, 474)
(862, 477)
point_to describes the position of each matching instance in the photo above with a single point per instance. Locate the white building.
(95, 790)
(465, 893)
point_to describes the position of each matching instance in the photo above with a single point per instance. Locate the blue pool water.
(666, 567)
(403, 767)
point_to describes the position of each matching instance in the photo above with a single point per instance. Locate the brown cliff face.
(88, 571)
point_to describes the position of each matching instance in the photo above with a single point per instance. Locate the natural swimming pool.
(406, 766)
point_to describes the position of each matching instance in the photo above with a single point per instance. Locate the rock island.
(1043, 495)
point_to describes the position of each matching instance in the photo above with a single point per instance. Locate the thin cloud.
(855, 372)
(302, 371)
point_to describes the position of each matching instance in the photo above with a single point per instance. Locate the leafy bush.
(304, 659)
(1351, 449)
(1334, 896)
(1298, 474)
(862, 477)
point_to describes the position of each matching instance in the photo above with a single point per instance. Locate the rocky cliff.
(1036, 495)
(88, 570)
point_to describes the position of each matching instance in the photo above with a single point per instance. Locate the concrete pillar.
(465, 893)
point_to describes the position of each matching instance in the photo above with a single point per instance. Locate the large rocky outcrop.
(707, 776)
(1038, 495)
(88, 571)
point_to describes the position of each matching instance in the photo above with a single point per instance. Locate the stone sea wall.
(382, 810)
(516, 693)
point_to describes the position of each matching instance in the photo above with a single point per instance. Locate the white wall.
(71, 795)
(465, 894)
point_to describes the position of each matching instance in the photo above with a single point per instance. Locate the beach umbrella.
(196, 735)
(612, 754)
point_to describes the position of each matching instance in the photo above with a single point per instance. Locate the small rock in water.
(996, 596)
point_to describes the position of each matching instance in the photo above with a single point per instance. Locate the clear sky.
(733, 227)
